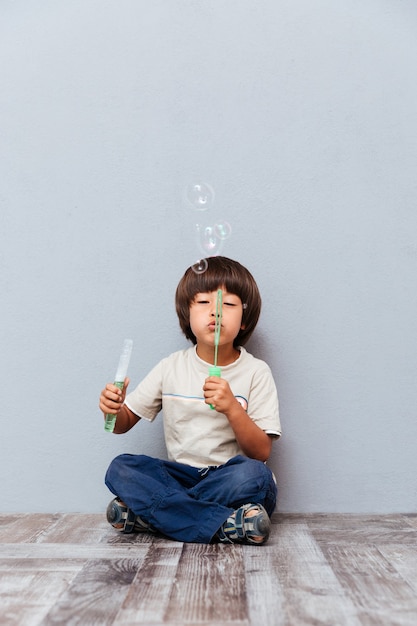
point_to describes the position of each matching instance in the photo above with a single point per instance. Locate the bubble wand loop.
(119, 380)
(214, 370)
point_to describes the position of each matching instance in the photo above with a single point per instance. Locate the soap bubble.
(200, 196)
(223, 230)
(208, 241)
(200, 267)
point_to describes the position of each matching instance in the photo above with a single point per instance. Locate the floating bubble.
(208, 241)
(200, 267)
(200, 196)
(223, 230)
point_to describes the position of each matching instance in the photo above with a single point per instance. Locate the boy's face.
(203, 317)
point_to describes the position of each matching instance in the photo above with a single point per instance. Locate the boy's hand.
(112, 398)
(217, 392)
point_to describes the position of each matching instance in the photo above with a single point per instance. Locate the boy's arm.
(253, 441)
(125, 420)
(112, 401)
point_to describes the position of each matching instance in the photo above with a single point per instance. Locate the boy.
(218, 430)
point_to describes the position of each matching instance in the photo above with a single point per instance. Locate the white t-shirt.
(195, 434)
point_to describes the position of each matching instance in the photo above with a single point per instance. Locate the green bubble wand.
(214, 370)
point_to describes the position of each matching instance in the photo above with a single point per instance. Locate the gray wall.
(303, 116)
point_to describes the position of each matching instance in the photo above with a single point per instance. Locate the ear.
(242, 326)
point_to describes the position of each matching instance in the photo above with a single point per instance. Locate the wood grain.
(95, 594)
(334, 570)
(309, 588)
(374, 585)
(149, 594)
(18, 528)
(26, 595)
(209, 586)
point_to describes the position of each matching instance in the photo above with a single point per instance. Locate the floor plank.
(149, 594)
(95, 595)
(209, 586)
(404, 559)
(27, 594)
(362, 529)
(73, 528)
(265, 595)
(71, 551)
(374, 585)
(25, 527)
(310, 593)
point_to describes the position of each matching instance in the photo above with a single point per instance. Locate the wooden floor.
(316, 569)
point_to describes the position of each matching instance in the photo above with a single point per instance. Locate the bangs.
(213, 278)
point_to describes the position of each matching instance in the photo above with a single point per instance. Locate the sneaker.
(122, 518)
(248, 524)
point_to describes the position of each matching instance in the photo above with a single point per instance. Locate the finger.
(210, 398)
(211, 385)
(111, 398)
(108, 406)
(114, 401)
(113, 389)
(111, 392)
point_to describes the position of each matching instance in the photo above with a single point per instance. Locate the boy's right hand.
(112, 398)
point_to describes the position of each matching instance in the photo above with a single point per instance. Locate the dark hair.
(220, 272)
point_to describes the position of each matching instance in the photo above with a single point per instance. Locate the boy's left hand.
(218, 394)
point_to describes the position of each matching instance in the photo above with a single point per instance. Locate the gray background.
(302, 116)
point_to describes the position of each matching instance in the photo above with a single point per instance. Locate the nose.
(213, 308)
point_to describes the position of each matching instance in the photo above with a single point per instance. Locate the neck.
(225, 355)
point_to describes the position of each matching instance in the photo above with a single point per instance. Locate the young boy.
(218, 430)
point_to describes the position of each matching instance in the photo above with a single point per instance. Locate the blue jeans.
(187, 503)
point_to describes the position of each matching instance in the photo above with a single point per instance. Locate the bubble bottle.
(119, 380)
